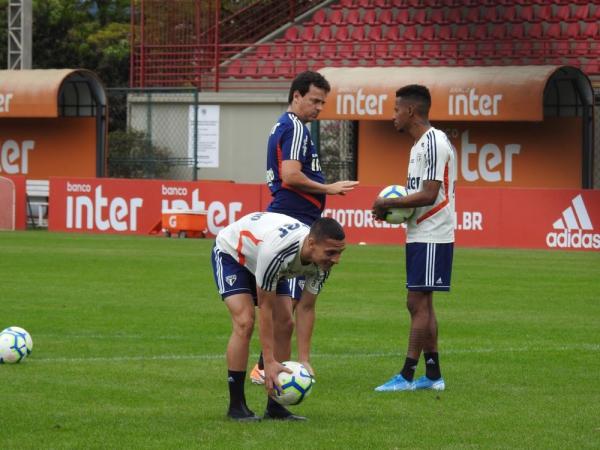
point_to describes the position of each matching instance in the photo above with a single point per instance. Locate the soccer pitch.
(129, 341)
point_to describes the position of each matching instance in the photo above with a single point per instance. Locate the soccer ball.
(15, 345)
(295, 386)
(396, 215)
(26, 336)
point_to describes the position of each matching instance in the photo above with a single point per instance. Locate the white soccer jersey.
(432, 158)
(268, 245)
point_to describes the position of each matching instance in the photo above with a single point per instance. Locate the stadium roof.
(496, 93)
(49, 93)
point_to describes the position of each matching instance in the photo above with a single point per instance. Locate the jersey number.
(290, 226)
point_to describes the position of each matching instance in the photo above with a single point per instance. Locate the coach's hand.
(272, 370)
(341, 187)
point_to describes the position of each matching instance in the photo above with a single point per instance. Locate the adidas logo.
(230, 380)
(573, 222)
(430, 361)
(439, 281)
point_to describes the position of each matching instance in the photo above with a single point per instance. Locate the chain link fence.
(596, 174)
(337, 149)
(152, 133)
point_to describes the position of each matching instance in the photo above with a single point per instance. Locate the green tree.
(86, 34)
(83, 34)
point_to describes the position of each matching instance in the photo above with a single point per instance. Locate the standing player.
(430, 233)
(294, 174)
(250, 258)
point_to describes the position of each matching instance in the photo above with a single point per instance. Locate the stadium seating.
(454, 16)
(553, 31)
(320, 17)
(336, 17)
(308, 34)
(292, 34)
(342, 34)
(491, 15)
(591, 30)
(582, 12)
(353, 17)
(509, 14)
(431, 32)
(526, 13)
(544, 13)
(438, 17)
(234, 68)
(499, 32)
(370, 17)
(386, 17)
(562, 14)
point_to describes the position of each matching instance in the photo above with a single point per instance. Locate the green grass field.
(130, 335)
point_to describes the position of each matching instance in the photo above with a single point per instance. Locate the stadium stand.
(377, 32)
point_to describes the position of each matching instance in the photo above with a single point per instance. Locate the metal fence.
(337, 148)
(153, 133)
(596, 174)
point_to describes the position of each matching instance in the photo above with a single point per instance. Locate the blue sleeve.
(293, 139)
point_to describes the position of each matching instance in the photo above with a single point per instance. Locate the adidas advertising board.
(554, 219)
(574, 228)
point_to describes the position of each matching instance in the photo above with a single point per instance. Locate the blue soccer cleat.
(396, 383)
(426, 383)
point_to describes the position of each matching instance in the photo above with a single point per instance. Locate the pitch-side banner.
(485, 217)
(491, 217)
(105, 205)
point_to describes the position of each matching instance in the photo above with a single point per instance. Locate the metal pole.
(195, 173)
(131, 43)
(148, 123)
(315, 136)
(217, 43)
(142, 46)
(19, 35)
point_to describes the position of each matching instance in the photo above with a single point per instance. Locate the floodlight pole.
(19, 34)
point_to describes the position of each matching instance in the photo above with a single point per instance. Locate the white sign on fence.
(207, 135)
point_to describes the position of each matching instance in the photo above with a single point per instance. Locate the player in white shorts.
(251, 257)
(430, 233)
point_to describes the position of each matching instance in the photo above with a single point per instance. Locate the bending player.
(252, 259)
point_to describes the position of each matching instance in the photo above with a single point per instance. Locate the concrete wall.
(246, 120)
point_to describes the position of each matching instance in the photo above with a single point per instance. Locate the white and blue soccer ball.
(396, 215)
(295, 386)
(15, 345)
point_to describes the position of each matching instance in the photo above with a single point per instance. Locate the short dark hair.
(418, 94)
(327, 228)
(303, 81)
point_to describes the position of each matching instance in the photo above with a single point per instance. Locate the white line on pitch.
(201, 357)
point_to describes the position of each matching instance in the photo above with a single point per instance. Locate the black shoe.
(242, 414)
(282, 414)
